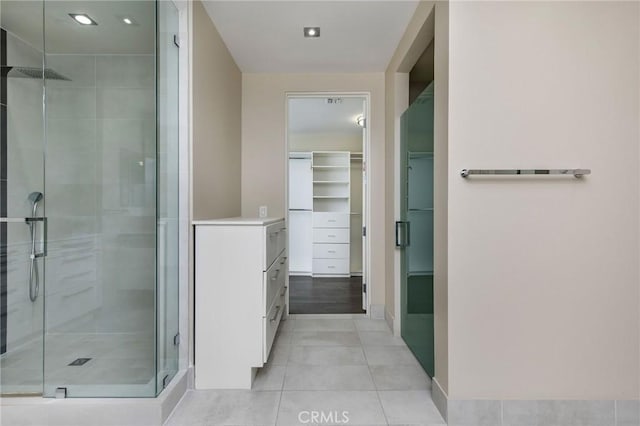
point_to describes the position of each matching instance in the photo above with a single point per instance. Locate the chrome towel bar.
(578, 173)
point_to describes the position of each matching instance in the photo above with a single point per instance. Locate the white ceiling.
(316, 115)
(24, 18)
(355, 36)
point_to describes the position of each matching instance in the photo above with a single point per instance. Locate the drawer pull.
(331, 267)
(331, 251)
(284, 290)
(331, 236)
(331, 221)
(276, 314)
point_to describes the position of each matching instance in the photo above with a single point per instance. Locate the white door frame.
(366, 161)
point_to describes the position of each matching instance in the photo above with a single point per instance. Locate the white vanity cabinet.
(241, 267)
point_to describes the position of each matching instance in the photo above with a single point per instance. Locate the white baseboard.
(439, 397)
(377, 311)
(391, 321)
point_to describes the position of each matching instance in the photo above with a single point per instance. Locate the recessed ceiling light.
(312, 32)
(127, 21)
(83, 18)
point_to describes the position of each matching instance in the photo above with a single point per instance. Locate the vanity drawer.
(330, 251)
(274, 280)
(331, 266)
(331, 235)
(270, 326)
(276, 241)
(330, 220)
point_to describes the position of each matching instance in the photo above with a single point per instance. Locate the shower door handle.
(21, 219)
(33, 221)
(402, 234)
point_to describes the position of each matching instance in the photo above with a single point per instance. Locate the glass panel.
(101, 192)
(21, 174)
(417, 210)
(167, 192)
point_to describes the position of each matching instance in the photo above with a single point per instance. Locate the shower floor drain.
(80, 361)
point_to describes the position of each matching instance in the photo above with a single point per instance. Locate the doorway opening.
(327, 203)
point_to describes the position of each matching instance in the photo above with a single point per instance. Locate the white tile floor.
(329, 366)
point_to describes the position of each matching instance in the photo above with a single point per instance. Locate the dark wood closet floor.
(309, 295)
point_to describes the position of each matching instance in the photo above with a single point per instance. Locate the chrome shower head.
(35, 198)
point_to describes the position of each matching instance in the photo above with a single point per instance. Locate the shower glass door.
(89, 140)
(22, 279)
(414, 231)
(168, 192)
(100, 179)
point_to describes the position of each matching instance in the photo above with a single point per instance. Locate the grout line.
(279, 403)
(375, 385)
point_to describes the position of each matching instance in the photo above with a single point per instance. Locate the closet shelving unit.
(324, 245)
(331, 208)
(331, 182)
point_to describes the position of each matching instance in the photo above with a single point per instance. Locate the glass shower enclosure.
(414, 231)
(88, 198)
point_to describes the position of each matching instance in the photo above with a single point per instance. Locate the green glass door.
(414, 231)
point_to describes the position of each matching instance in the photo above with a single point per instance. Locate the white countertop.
(239, 221)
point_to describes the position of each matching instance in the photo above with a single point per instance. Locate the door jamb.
(366, 161)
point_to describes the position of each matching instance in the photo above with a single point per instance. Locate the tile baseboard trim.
(390, 321)
(171, 396)
(481, 412)
(377, 312)
(439, 397)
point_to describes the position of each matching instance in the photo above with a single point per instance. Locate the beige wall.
(325, 141)
(543, 272)
(441, 195)
(217, 94)
(264, 148)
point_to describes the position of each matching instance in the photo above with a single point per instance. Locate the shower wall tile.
(65, 167)
(81, 69)
(71, 200)
(138, 135)
(125, 71)
(65, 227)
(25, 144)
(71, 102)
(20, 53)
(101, 127)
(25, 137)
(25, 175)
(71, 135)
(126, 103)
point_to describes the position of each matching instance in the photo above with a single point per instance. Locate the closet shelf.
(345, 197)
(330, 167)
(420, 273)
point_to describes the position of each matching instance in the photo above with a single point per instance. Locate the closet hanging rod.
(578, 173)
